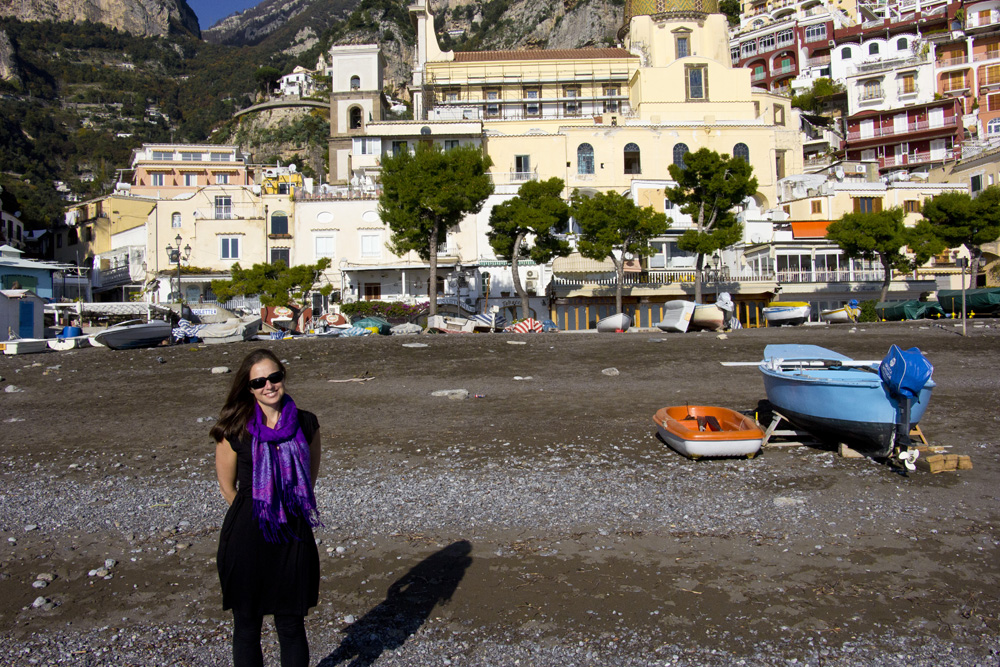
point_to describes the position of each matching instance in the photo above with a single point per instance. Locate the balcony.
(822, 276)
(955, 87)
(228, 213)
(785, 69)
(888, 64)
(952, 62)
(917, 157)
(758, 76)
(982, 19)
(920, 126)
(988, 55)
(870, 94)
(513, 177)
(818, 61)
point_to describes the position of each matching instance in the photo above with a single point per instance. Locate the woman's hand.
(225, 469)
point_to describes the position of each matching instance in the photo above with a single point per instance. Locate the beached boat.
(842, 315)
(134, 334)
(676, 316)
(63, 343)
(700, 430)
(24, 346)
(786, 313)
(528, 325)
(614, 323)
(448, 324)
(868, 405)
(707, 316)
(488, 322)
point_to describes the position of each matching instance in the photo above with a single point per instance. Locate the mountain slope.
(142, 18)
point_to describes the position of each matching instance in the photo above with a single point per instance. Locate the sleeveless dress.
(257, 576)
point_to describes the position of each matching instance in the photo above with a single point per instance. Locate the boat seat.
(708, 423)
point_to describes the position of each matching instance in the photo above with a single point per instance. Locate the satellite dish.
(292, 168)
(17, 214)
(839, 173)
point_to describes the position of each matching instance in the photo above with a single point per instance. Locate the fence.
(584, 316)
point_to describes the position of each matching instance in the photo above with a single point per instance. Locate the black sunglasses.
(277, 377)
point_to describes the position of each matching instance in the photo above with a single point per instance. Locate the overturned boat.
(134, 334)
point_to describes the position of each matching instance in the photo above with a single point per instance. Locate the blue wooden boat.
(862, 404)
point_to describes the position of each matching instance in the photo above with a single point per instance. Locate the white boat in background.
(230, 331)
(614, 323)
(708, 316)
(24, 346)
(450, 324)
(68, 342)
(843, 315)
(134, 334)
(676, 316)
(786, 313)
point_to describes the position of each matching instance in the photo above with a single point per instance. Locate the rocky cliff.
(8, 61)
(143, 18)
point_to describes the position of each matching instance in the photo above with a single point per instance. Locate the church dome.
(666, 7)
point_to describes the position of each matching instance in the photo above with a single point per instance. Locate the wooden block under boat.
(964, 463)
(931, 464)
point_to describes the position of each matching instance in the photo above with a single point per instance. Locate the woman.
(267, 458)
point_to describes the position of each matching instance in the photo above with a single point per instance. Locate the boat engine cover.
(905, 372)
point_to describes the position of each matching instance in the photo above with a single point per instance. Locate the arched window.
(873, 49)
(845, 54)
(175, 219)
(742, 151)
(679, 151)
(585, 159)
(632, 165)
(355, 117)
(355, 82)
(901, 44)
(993, 127)
(279, 222)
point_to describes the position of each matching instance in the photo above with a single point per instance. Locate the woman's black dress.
(257, 576)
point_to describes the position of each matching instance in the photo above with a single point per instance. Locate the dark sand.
(825, 555)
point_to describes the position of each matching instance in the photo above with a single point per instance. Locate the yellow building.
(601, 118)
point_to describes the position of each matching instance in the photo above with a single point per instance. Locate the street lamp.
(715, 270)
(175, 255)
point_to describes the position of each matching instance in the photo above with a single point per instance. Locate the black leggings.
(291, 638)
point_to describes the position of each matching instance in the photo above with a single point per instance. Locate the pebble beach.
(535, 519)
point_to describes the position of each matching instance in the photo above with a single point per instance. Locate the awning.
(809, 229)
(577, 263)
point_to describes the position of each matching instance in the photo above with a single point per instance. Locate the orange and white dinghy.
(703, 430)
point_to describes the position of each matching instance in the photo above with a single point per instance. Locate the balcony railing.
(823, 276)
(869, 94)
(955, 86)
(977, 20)
(818, 61)
(228, 213)
(664, 277)
(949, 62)
(988, 55)
(911, 89)
(919, 126)
(888, 64)
(989, 79)
(917, 157)
(784, 69)
(759, 76)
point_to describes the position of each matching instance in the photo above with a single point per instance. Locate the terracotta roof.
(541, 54)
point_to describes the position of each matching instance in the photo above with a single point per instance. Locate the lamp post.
(175, 255)
(715, 272)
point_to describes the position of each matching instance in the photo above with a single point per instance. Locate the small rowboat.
(614, 323)
(701, 430)
(782, 313)
(707, 316)
(676, 316)
(842, 315)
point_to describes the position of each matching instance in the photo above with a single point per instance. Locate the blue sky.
(210, 11)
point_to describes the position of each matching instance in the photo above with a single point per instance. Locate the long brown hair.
(239, 406)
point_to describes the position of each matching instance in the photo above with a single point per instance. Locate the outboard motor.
(904, 374)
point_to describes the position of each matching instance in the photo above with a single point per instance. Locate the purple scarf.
(281, 484)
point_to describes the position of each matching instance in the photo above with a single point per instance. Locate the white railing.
(228, 213)
(919, 126)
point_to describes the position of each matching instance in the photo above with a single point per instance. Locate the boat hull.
(839, 405)
(681, 428)
(707, 316)
(778, 316)
(614, 323)
(24, 346)
(676, 316)
(132, 336)
(70, 343)
(843, 315)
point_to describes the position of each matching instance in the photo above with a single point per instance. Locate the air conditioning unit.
(532, 274)
(860, 168)
(531, 285)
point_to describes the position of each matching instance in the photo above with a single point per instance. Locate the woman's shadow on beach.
(407, 605)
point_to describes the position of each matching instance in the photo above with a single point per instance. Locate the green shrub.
(868, 312)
